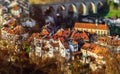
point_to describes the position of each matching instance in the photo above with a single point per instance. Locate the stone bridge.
(83, 7)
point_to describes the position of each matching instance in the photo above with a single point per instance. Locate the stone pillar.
(66, 10)
(96, 7)
(87, 8)
(55, 10)
(43, 9)
(77, 8)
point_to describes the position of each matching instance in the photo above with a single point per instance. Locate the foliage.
(26, 47)
(113, 12)
(114, 30)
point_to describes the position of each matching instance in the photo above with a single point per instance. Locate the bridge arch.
(99, 6)
(49, 10)
(72, 9)
(61, 8)
(78, 7)
(82, 9)
(92, 8)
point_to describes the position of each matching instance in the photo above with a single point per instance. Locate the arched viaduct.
(83, 7)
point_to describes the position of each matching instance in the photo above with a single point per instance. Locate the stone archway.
(82, 9)
(92, 8)
(49, 11)
(60, 10)
(72, 9)
(99, 6)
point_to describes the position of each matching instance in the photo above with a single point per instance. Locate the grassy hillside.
(113, 12)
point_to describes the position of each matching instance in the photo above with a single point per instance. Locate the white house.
(38, 51)
(95, 51)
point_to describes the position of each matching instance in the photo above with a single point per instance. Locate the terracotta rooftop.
(77, 35)
(5, 28)
(84, 36)
(94, 48)
(59, 32)
(12, 22)
(105, 38)
(36, 35)
(1, 6)
(11, 31)
(44, 32)
(118, 56)
(62, 32)
(66, 33)
(75, 42)
(117, 42)
(86, 45)
(91, 25)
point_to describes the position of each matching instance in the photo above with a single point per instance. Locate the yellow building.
(100, 29)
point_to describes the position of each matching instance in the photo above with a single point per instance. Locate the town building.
(99, 29)
(93, 54)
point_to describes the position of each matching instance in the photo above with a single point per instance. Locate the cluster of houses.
(14, 17)
(86, 39)
(70, 43)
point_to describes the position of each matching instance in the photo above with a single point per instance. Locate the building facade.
(100, 29)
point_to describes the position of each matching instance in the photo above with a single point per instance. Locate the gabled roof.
(59, 32)
(118, 56)
(5, 28)
(77, 35)
(94, 48)
(11, 31)
(36, 35)
(1, 6)
(91, 26)
(74, 42)
(84, 36)
(86, 45)
(45, 32)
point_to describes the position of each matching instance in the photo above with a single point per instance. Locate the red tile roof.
(12, 22)
(1, 6)
(5, 28)
(11, 31)
(118, 56)
(94, 48)
(35, 35)
(84, 36)
(74, 42)
(44, 32)
(77, 35)
(86, 45)
(90, 25)
(59, 33)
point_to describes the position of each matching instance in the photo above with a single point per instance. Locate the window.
(99, 32)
